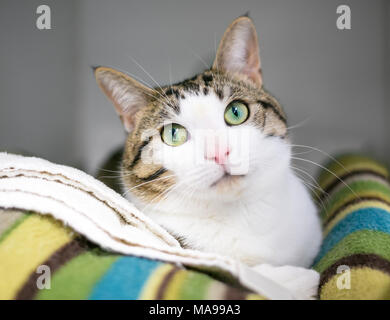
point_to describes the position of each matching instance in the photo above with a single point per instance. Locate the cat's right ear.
(238, 51)
(127, 94)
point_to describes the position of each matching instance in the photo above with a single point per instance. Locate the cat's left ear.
(128, 95)
(238, 51)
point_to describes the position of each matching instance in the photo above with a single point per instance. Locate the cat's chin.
(228, 183)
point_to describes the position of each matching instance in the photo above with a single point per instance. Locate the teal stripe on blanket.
(125, 279)
(363, 219)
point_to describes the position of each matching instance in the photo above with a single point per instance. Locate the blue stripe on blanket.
(363, 219)
(125, 279)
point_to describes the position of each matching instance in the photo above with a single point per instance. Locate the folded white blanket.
(106, 218)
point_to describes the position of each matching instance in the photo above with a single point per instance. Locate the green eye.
(236, 113)
(174, 134)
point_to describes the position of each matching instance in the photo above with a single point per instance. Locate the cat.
(209, 159)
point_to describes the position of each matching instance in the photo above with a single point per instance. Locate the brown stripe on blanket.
(235, 294)
(372, 261)
(57, 260)
(329, 189)
(331, 217)
(165, 282)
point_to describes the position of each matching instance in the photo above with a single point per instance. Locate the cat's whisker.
(151, 181)
(299, 124)
(311, 177)
(170, 189)
(331, 172)
(300, 153)
(185, 196)
(215, 44)
(196, 185)
(189, 184)
(321, 151)
(312, 189)
(161, 96)
(106, 170)
(312, 162)
(150, 76)
(170, 73)
(110, 177)
(178, 198)
(160, 195)
(200, 58)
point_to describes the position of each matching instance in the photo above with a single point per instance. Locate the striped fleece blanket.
(80, 270)
(129, 264)
(354, 261)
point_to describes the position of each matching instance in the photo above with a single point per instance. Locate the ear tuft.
(238, 51)
(127, 94)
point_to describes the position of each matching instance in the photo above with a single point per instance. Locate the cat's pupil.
(236, 112)
(174, 133)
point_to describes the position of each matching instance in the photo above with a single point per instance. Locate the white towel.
(106, 218)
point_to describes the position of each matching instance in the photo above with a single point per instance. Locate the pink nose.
(219, 157)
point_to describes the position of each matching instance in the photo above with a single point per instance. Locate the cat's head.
(209, 137)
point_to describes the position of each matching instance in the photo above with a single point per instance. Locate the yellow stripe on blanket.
(365, 284)
(174, 287)
(253, 296)
(151, 289)
(25, 248)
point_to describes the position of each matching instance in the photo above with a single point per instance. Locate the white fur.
(266, 217)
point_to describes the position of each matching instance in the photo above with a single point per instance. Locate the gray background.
(333, 83)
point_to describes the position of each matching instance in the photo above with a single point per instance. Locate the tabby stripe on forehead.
(138, 154)
(190, 86)
(267, 105)
(171, 91)
(175, 107)
(207, 79)
(219, 93)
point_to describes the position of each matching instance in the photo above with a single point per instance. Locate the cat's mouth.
(227, 180)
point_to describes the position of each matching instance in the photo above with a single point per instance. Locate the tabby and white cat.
(209, 160)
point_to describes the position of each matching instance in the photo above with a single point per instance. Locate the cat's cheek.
(270, 157)
(176, 159)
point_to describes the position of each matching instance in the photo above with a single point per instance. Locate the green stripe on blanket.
(354, 260)
(77, 278)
